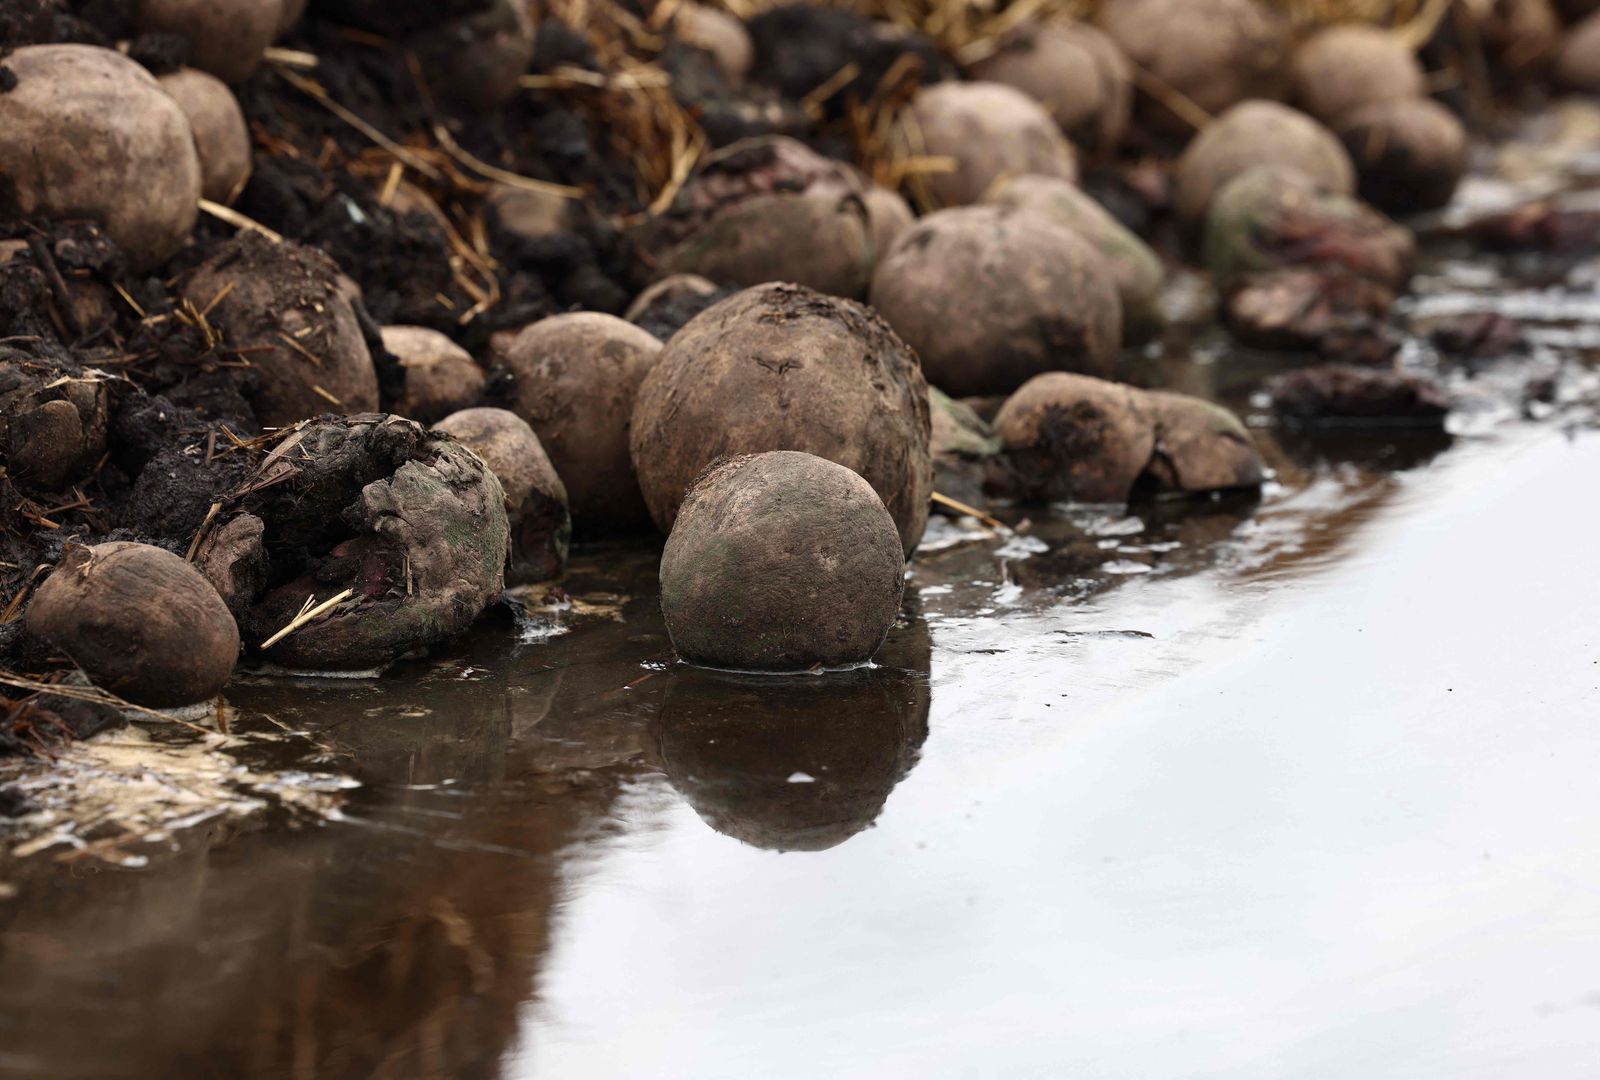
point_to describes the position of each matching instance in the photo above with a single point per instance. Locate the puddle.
(122, 794)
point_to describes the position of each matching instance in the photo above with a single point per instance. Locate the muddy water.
(1299, 787)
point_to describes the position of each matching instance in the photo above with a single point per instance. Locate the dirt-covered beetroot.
(1578, 64)
(990, 297)
(1137, 269)
(1346, 67)
(781, 367)
(1322, 309)
(221, 137)
(139, 621)
(719, 34)
(1214, 52)
(1272, 217)
(87, 132)
(52, 421)
(1200, 447)
(573, 378)
(282, 303)
(228, 36)
(440, 377)
(1071, 438)
(888, 215)
(414, 524)
(1410, 153)
(780, 561)
(769, 209)
(1522, 37)
(988, 130)
(1257, 133)
(1075, 71)
(1335, 394)
(536, 499)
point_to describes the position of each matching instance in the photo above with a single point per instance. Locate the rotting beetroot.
(411, 525)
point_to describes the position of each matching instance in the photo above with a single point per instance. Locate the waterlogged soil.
(1300, 786)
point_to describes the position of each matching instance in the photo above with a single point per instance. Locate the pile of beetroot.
(322, 323)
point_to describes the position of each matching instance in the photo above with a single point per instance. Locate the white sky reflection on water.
(1342, 826)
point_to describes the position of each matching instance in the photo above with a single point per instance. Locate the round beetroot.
(1073, 438)
(221, 137)
(86, 132)
(1410, 153)
(228, 36)
(1200, 447)
(1075, 71)
(1257, 133)
(1137, 269)
(573, 378)
(780, 367)
(284, 304)
(1214, 52)
(780, 562)
(440, 376)
(769, 209)
(1343, 68)
(990, 297)
(988, 130)
(140, 622)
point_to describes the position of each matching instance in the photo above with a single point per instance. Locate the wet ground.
(1296, 788)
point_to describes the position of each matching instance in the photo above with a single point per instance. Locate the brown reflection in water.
(1376, 450)
(406, 941)
(361, 950)
(797, 762)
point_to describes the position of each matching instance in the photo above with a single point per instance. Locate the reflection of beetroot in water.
(801, 762)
